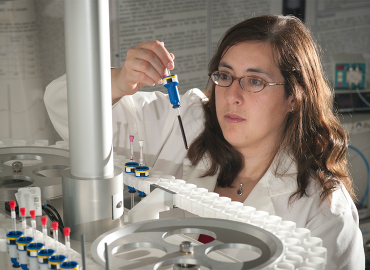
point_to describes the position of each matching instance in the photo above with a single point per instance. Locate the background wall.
(190, 29)
(32, 50)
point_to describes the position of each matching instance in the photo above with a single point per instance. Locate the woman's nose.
(233, 93)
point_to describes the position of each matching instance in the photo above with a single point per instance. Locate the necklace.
(240, 190)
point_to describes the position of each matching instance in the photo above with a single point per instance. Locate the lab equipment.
(22, 243)
(33, 224)
(69, 264)
(152, 234)
(54, 225)
(34, 247)
(350, 85)
(44, 254)
(54, 160)
(13, 214)
(130, 167)
(142, 171)
(166, 190)
(132, 147)
(171, 82)
(55, 261)
(67, 232)
(357, 127)
(32, 250)
(345, 75)
(30, 197)
(24, 224)
(12, 236)
(141, 160)
(44, 221)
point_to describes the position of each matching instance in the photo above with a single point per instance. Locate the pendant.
(240, 190)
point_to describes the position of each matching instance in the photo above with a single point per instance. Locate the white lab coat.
(149, 116)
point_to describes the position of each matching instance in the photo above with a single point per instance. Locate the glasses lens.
(221, 79)
(252, 84)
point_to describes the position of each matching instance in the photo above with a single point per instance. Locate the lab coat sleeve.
(55, 99)
(150, 109)
(343, 239)
(148, 116)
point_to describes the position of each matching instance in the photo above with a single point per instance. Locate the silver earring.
(292, 108)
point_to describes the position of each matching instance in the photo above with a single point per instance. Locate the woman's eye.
(255, 81)
(224, 77)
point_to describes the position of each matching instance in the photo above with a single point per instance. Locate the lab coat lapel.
(260, 197)
(279, 179)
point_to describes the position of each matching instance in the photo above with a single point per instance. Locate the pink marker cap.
(67, 231)
(33, 213)
(44, 220)
(131, 138)
(12, 204)
(54, 225)
(23, 211)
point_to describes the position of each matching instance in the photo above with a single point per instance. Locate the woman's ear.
(292, 103)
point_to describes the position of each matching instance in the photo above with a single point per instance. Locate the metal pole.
(92, 187)
(89, 87)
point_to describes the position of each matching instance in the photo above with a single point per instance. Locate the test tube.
(67, 232)
(141, 160)
(13, 214)
(44, 221)
(33, 224)
(55, 235)
(132, 147)
(24, 224)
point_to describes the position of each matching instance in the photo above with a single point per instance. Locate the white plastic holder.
(149, 207)
(32, 250)
(30, 197)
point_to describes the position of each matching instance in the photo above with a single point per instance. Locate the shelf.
(350, 91)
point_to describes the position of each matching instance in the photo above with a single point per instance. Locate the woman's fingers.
(146, 64)
(160, 52)
(145, 61)
(150, 58)
(139, 79)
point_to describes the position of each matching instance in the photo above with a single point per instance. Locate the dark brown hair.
(312, 131)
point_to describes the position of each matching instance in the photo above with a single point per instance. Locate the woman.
(266, 136)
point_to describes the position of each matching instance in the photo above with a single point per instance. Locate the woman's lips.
(233, 118)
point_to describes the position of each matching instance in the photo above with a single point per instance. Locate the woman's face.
(250, 120)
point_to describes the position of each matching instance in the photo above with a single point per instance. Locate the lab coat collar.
(279, 179)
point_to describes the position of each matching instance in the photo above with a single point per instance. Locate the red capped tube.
(24, 224)
(55, 235)
(44, 222)
(67, 232)
(12, 205)
(33, 224)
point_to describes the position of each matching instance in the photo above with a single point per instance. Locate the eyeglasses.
(247, 83)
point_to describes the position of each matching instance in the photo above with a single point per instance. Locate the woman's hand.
(146, 64)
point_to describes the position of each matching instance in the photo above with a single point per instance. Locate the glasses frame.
(240, 78)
